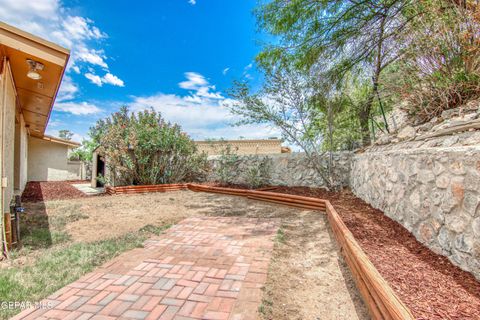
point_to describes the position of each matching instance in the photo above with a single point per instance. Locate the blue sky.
(177, 56)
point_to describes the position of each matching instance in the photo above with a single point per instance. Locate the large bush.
(143, 149)
(440, 68)
(227, 165)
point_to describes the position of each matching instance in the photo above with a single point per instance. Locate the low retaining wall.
(293, 169)
(432, 192)
(431, 187)
(380, 299)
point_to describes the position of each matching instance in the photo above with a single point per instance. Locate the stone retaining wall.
(433, 192)
(431, 187)
(293, 169)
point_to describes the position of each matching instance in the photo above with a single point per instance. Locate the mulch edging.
(51, 190)
(428, 283)
(380, 299)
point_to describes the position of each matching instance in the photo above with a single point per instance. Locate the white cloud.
(194, 82)
(113, 80)
(246, 71)
(202, 114)
(68, 89)
(91, 56)
(94, 79)
(225, 71)
(199, 84)
(192, 2)
(51, 20)
(77, 108)
(201, 118)
(107, 78)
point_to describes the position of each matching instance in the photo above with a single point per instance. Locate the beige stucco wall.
(8, 135)
(242, 147)
(93, 181)
(21, 155)
(2, 105)
(48, 161)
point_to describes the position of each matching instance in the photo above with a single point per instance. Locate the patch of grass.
(69, 214)
(156, 230)
(42, 231)
(265, 307)
(44, 238)
(60, 265)
(280, 237)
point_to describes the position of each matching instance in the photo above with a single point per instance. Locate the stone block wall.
(433, 192)
(293, 169)
(431, 187)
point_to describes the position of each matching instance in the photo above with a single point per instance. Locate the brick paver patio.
(202, 268)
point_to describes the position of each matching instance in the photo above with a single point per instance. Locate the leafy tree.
(84, 152)
(337, 38)
(65, 134)
(296, 104)
(144, 149)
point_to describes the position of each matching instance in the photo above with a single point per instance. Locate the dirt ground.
(308, 278)
(428, 283)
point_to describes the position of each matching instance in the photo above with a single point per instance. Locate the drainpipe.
(4, 108)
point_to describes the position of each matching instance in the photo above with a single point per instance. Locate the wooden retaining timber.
(267, 189)
(381, 300)
(145, 189)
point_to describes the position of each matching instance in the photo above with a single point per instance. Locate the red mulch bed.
(51, 190)
(431, 286)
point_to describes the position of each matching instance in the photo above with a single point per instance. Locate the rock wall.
(292, 169)
(434, 192)
(429, 184)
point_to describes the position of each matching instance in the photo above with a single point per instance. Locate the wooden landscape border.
(381, 300)
(145, 189)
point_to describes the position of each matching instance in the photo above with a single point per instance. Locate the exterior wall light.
(34, 68)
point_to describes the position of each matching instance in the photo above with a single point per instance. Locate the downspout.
(4, 108)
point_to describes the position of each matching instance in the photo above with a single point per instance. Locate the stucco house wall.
(48, 161)
(21, 155)
(8, 133)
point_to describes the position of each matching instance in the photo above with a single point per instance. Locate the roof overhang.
(69, 143)
(35, 97)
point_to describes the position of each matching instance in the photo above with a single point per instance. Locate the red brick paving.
(202, 268)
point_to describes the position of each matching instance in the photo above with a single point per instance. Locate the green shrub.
(258, 173)
(440, 69)
(227, 165)
(144, 149)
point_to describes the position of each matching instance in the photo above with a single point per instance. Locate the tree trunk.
(366, 110)
(364, 117)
